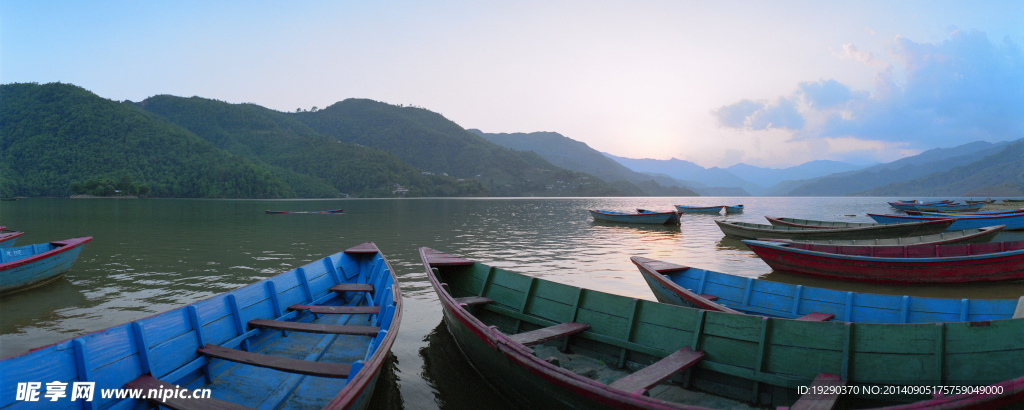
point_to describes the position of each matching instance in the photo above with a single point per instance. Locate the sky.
(767, 83)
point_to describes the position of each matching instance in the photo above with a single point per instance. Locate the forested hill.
(310, 162)
(999, 174)
(435, 144)
(56, 134)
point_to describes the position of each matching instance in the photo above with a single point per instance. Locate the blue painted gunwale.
(661, 218)
(23, 267)
(1012, 221)
(682, 285)
(734, 209)
(8, 239)
(715, 210)
(674, 219)
(979, 213)
(168, 342)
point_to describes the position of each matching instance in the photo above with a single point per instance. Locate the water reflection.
(456, 383)
(385, 392)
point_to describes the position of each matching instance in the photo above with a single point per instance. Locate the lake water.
(149, 256)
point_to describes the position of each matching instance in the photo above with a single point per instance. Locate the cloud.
(965, 88)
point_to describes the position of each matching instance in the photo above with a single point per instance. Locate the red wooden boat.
(981, 262)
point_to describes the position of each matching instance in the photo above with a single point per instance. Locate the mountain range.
(57, 136)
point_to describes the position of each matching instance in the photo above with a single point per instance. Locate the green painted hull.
(750, 358)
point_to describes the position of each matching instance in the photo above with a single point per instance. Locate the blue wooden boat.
(673, 221)
(1012, 221)
(735, 209)
(950, 208)
(979, 213)
(7, 239)
(903, 205)
(713, 210)
(23, 267)
(656, 218)
(686, 286)
(316, 336)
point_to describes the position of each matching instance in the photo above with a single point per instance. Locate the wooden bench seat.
(313, 327)
(709, 297)
(337, 310)
(648, 377)
(473, 300)
(812, 401)
(147, 382)
(816, 317)
(1019, 312)
(352, 287)
(335, 370)
(548, 333)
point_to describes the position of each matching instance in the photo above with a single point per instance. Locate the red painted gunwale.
(4, 237)
(996, 261)
(62, 246)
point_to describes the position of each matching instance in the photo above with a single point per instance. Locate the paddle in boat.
(712, 210)
(332, 211)
(745, 230)
(647, 217)
(979, 262)
(1012, 221)
(24, 267)
(686, 286)
(545, 344)
(315, 336)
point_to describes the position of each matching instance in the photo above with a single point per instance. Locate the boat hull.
(711, 210)
(685, 286)
(8, 239)
(651, 218)
(744, 230)
(992, 267)
(968, 236)
(170, 346)
(1012, 221)
(40, 268)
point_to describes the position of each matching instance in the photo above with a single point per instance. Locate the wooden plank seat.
(314, 327)
(709, 297)
(337, 310)
(335, 370)
(816, 317)
(1019, 312)
(352, 287)
(473, 300)
(644, 379)
(813, 401)
(548, 333)
(147, 382)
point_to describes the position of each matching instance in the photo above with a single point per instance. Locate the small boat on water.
(903, 206)
(735, 209)
(1012, 211)
(815, 224)
(950, 208)
(24, 267)
(746, 230)
(316, 336)
(673, 221)
(7, 239)
(544, 344)
(1012, 221)
(332, 211)
(713, 210)
(648, 217)
(979, 262)
(979, 235)
(686, 286)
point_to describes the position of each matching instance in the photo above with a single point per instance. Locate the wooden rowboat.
(656, 218)
(673, 220)
(7, 239)
(332, 211)
(815, 224)
(744, 230)
(714, 210)
(686, 286)
(980, 235)
(980, 262)
(528, 336)
(340, 315)
(950, 208)
(24, 267)
(1012, 221)
(735, 209)
(1012, 211)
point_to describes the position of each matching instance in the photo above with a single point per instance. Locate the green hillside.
(313, 164)
(53, 135)
(435, 144)
(999, 174)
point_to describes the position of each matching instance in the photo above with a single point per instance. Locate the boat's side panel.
(638, 218)
(42, 269)
(1012, 221)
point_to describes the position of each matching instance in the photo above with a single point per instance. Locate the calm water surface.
(149, 256)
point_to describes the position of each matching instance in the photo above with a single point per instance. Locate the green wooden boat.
(746, 230)
(525, 336)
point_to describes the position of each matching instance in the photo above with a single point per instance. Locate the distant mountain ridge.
(998, 174)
